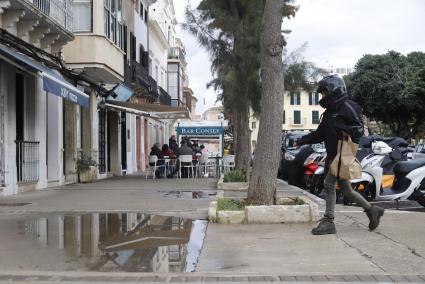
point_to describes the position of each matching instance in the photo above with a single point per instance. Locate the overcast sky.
(338, 33)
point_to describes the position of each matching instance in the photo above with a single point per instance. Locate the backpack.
(349, 119)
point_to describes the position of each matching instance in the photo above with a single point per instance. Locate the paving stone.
(320, 278)
(287, 278)
(304, 278)
(240, 279)
(225, 279)
(177, 279)
(367, 278)
(414, 278)
(6, 277)
(271, 279)
(382, 278)
(335, 278)
(350, 278)
(195, 279)
(210, 279)
(256, 278)
(71, 279)
(398, 278)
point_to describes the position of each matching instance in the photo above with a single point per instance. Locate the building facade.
(37, 96)
(301, 112)
(93, 91)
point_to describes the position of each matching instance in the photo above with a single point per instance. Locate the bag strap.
(352, 110)
(340, 160)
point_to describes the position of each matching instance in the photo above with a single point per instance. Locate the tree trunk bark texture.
(263, 182)
(243, 141)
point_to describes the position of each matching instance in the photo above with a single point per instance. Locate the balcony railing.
(177, 53)
(137, 74)
(27, 161)
(61, 11)
(164, 97)
(153, 91)
(177, 103)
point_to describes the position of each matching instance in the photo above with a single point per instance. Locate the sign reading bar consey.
(200, 130)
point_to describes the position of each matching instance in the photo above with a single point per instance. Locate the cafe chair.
(185, 162)
(153, 166)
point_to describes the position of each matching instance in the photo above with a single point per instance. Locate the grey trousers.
(347, 190)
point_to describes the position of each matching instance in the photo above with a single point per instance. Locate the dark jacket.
(155, 151)
(184, 150)
(342, 114)
(173, 145)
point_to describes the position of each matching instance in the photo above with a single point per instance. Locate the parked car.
(291, 166)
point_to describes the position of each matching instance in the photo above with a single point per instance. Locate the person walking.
(342, 116)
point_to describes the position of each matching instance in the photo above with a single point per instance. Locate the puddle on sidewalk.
(107, 242)
(190, 194)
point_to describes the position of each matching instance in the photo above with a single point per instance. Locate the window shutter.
(317, 98)
(298, 98)
(310, 98)
(292, 98)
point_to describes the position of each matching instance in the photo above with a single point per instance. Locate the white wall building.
(35, 100)
(301, 112)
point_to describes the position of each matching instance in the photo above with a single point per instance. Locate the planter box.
(308, 212)
(88, 176)
(231, 186)
(230, 217)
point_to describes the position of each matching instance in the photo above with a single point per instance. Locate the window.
(295, 98)
(173, 81)
(146, 16)
(254, 125)
(83, 8)
(284, 119)
(313, 98)
(113, 21)
(297, 117)
(315, 117)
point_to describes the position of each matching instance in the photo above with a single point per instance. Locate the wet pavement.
(105, 242)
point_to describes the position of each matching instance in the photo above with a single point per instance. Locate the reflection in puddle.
(131, 242)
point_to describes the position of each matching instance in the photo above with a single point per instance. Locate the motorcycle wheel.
(316, 185)
(419, 197)
(307, 181)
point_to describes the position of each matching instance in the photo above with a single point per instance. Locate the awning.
(120, 93)
(154, 110)
(53, 81)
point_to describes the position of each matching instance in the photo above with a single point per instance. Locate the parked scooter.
(314, 168)
(388, 175)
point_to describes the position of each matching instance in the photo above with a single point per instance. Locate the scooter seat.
(405, 167)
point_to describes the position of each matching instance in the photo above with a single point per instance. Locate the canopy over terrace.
(152, 110)
(207, 133)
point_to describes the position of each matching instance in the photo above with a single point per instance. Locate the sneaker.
(374, 213)
(325, 227)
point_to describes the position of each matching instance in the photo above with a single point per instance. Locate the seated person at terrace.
(155, 151)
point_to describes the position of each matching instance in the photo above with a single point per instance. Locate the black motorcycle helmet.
(332, 84)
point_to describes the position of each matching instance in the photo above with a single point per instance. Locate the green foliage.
(300, 74)
(391, 90)
(234, 176)
(226, 204)
(84, 163)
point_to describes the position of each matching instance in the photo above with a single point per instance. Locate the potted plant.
(86, 167)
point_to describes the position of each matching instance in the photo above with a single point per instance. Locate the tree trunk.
(263, 181)
(243, 142)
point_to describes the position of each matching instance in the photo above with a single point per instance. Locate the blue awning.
(53, 81)
(120, 93)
